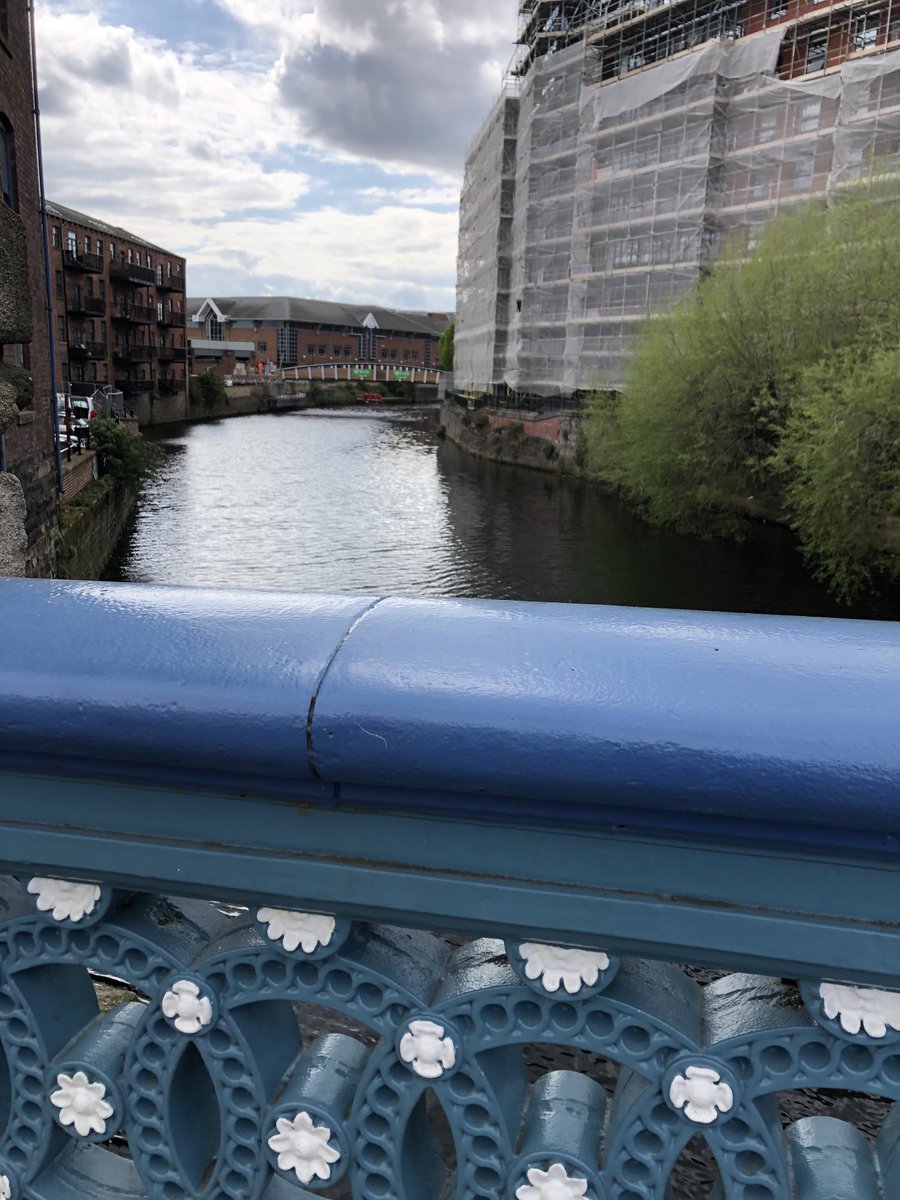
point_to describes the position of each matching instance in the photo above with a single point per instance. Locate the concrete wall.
(26, 407)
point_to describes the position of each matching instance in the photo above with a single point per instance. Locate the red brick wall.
(30, 448)
(78, 473)
(398, 351)
(67, 325)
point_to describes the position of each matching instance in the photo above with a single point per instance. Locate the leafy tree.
(840, 457)
(743, 362)
(124, 456)
(445, 347)
(208, 389)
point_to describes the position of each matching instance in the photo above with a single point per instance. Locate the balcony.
(92, 263)
(134, 354)
(85, 349)
(138, 314)
(124, 272)
(169, 283)
(584, 797)
(91, 306)
(172, 354)
(170, 387)
(171, 318)
(134, 387)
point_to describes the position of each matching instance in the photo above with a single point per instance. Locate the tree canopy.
(774, 385)
(445, 347)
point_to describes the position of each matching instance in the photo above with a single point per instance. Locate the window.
(777, 9)
(149, 261)
(102, 289)
(159, 310)
(310, 349)
(262, 347)
(99, 248)
(322, 351)
(809, 116)
(72, 243)
(55, 237)
(87, 244)
(112, 251)
(865, 30)
(803, 173)
(393, 354)
(415, 356)
(214, 329)
(130, 255)
(766, 129)
(59, 285)
(816, 52)
(7, 161)
(61, 329)
(406, 356)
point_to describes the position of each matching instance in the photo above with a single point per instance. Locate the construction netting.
(624, 191)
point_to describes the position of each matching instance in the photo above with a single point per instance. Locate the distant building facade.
(28, 479)
(120, 316)
(288, 332)
(632, 137)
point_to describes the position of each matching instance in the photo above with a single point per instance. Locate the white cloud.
(205, 149)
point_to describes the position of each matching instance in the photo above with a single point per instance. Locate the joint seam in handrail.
(310, 752)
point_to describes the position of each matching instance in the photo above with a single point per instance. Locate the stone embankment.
(548, 443)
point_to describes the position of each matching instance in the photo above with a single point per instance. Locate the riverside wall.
(93, 522)
(543, 443)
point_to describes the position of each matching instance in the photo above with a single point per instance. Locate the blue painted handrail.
(724, 725)
(574, 790)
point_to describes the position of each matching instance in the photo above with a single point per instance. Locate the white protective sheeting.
(587, 207)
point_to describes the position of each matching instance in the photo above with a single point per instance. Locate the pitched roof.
(321, 312)
(62, 213)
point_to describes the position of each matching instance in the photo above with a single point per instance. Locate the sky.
(284, 147)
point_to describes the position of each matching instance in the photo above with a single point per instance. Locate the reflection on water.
(373, 502)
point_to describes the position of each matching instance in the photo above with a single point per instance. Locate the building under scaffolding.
(631, 137)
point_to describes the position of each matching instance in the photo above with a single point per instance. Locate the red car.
(372, 398)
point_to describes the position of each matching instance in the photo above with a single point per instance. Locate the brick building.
(289, 332)
(28, 478)
(633, 137)
(119, 313)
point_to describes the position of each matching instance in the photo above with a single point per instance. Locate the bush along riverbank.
(773, 388)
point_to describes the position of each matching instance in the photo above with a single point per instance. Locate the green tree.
(125, 457)
(840, 458)
(716, 383)
(207, 390)
(445, 347)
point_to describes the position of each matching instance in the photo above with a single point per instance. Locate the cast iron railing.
(240, 827)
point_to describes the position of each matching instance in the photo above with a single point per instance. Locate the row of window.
(130, 255)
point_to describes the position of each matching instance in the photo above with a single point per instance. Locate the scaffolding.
(591, 202)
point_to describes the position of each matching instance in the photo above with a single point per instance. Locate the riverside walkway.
(354, 869)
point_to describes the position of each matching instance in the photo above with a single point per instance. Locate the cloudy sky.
(283, 146)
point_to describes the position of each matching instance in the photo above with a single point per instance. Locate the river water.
(363, 501)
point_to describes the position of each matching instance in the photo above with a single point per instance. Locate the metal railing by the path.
(296, 887)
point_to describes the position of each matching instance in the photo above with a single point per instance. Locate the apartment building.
(632, 138)
(28, 468)
(119, 314)
(291, 332)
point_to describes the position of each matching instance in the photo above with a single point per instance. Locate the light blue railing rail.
(289, 877)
